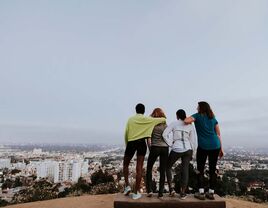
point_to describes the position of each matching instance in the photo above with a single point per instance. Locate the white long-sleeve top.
(181, 137)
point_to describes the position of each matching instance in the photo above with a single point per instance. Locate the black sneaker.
(150, 194)
(183, 196)
(200, 196)
(160, 195)
(210, 196)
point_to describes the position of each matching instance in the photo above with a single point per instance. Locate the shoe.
(200, 196)
(150, 194)
(183, 196)
(136, 196)
(172, 193)
(160, 196)
(210, 196)
(127, 190)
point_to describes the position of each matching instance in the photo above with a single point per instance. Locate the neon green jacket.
(140, 126)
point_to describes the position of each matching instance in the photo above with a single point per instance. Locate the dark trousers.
(186, 157)
(156, 152)
(201, 158)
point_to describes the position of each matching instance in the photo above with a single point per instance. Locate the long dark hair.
(204, 108)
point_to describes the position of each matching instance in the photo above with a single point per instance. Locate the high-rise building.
(76, 171)
(59, 171)
(70, 170)
(46, 169)
(84, 168)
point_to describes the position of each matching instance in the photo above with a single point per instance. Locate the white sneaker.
(183, 196)
(136, 196)
(127, 190)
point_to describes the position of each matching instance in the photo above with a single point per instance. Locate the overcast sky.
(73, 71)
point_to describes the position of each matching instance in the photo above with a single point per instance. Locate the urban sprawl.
(64, 166)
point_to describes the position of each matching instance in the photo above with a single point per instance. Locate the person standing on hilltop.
(158, 148)
(183, 143)
(209, 146)
(138, 129)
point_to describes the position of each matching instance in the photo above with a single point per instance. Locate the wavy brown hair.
(205, 109)
(158, 113)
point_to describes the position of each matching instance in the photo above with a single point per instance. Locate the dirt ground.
(106, 201)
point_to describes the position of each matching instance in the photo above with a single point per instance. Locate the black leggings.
(201, 158)
(155, 152)
(186, 157)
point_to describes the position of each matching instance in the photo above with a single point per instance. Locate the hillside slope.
(106, 201)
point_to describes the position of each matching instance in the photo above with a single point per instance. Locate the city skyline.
(74, 71)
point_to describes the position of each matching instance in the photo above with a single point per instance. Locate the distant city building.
(228, 166)
(37, 151)
(70, 171)
(5, 163)
(46, 169)
(19, 165)
(245, 166)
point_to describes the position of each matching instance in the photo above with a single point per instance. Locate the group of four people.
(185, 140)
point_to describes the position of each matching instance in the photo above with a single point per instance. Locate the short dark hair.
(181, 114)
(140, 108)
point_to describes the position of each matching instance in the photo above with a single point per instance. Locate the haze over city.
(72, 72)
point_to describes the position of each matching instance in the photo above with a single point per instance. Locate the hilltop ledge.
(122, 201)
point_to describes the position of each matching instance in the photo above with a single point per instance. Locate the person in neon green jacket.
(138, 129)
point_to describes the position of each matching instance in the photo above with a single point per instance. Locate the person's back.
(157, 138)
(205, 128)
(158, 149)
(182, 140)
(140, 126)
(183, 136)
(209, 147)
(138, 129)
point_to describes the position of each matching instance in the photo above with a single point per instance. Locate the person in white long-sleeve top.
(182, 139)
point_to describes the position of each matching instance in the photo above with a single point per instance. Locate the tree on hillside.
(101, 177)
(41, 190)
(15, 171)
(81, 186)
(17, 182)
(7, 184)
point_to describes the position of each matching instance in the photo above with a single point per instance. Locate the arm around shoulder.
(157, 120)
(189, 120)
